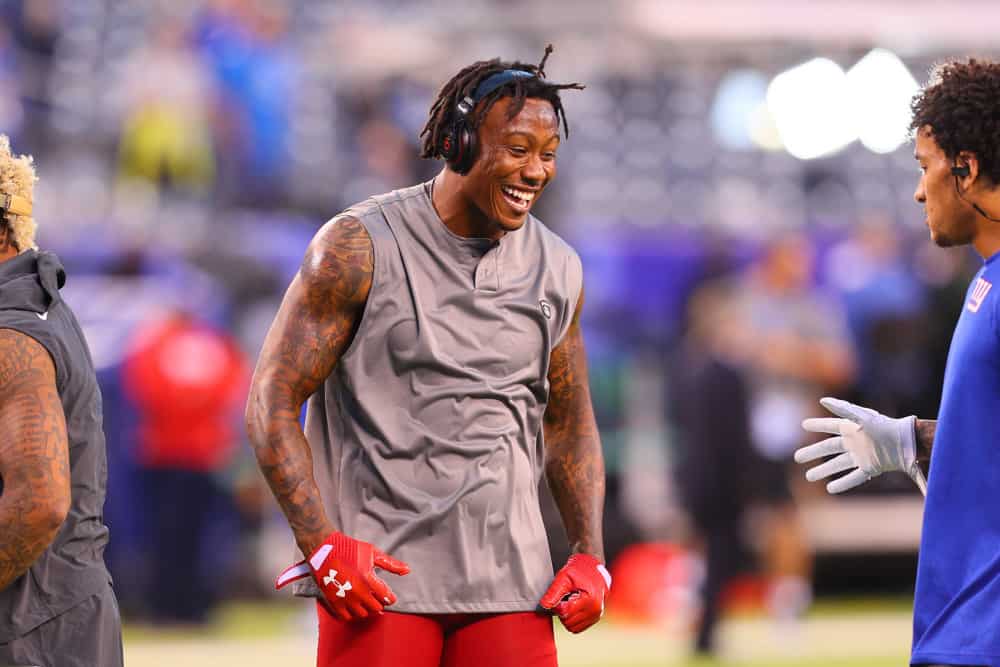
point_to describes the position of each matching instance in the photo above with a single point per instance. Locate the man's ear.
(968, 162)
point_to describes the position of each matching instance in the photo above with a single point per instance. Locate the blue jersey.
(956, 616)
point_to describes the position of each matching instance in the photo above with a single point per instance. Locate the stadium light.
(740, 117)
(812, 108)
(881, 88)
(740, 92)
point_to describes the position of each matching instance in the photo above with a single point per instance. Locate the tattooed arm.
(574, 463)
(314, 326)
(34, 454)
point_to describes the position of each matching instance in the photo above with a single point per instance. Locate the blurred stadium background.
(754, 153)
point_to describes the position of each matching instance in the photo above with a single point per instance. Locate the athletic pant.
(87, 635)
(522, 639)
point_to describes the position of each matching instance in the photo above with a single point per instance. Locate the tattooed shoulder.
(317, 318)
(338, 265)
(22, 359)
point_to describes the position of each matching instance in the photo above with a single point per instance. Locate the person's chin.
(941, 240)
(511, 224)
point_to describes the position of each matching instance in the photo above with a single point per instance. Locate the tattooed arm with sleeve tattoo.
(34, 455)
(574, 469)
(314, 326)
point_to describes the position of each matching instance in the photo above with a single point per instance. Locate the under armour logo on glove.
(342, 588)
(353, 561)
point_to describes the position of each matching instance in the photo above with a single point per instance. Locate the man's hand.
(865, 442)
(578, 592)
(344, 570)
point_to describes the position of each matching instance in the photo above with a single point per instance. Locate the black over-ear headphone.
(962, 171)
(459, 143)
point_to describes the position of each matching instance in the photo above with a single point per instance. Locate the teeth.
(526, 197)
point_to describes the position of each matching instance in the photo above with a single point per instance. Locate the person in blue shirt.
(956, 616)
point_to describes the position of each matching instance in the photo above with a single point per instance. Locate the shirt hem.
(434, 607)
(953, 657)
(30, 622)
(464, 607)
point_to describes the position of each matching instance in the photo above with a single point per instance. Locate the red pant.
(522, 639)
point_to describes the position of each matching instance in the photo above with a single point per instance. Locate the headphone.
(14, 205)
(459, 144)
(963, 171)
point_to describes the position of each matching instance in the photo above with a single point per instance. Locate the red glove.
(578, 592)
(344, 570)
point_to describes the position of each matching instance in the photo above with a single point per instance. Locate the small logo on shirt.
(43, 316)
(546, 309)
(979, 293)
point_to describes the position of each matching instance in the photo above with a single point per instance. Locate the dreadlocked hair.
(443, 113)
(961, 106)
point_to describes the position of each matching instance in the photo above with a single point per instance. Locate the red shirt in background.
(188, 381)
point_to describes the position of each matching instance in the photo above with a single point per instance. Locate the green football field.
(856, 633)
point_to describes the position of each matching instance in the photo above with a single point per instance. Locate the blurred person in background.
(246, 48)
(11, 110)
(956, 617)
(57, 607)
(885, 305)
(166, 137)
(187, 380)
(35, 27)
(435, 332)
(714, 449)
(795, 345)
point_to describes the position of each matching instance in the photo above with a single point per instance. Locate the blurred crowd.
(187, 153)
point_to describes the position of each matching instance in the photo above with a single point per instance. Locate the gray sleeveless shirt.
(427, 436)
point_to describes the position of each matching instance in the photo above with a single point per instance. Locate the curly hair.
(17, 177)
(443, 111)
(961, 106)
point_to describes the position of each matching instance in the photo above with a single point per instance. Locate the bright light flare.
(812, 109)
(881, 88)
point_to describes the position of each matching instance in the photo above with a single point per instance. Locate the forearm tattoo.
(574, 461)
(34, 455)
(312, 329)
(925, 429)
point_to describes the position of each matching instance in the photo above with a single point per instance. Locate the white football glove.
(867, 443)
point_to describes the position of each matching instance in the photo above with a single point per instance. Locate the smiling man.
(435, 332)
(956, 610)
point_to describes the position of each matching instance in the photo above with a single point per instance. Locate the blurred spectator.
(36, 28)
(795, 346)
(11, 112)
(246, 47)
(166, 137)
(385, 157)
(710, 410)
(188, 381)
(885, 309)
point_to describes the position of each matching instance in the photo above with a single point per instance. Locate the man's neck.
(987, 240)
(456, 211)
(7, 251)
